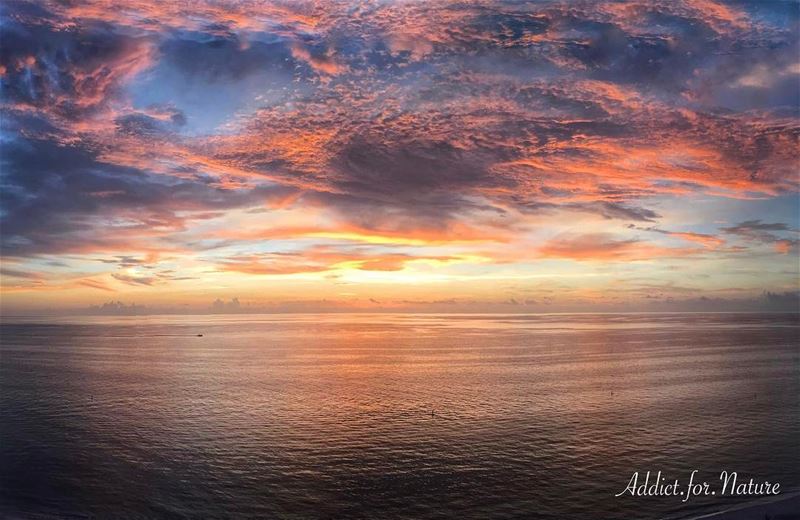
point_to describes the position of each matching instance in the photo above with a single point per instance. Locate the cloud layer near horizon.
(153, 145)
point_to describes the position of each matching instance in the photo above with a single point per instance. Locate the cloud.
(95, 284)
(765, 233)
(14, 273)
(320, 62)
(118, 308)
(320, 259)
(785, 301)
(709, 241)
(221, 306)
(135, 280)
(163, 129)
(549, 106)
(453, 234)
(750, 227)
(608, 248)
(66, 199)
(69, 75)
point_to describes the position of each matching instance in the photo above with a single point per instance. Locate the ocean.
(391, 416)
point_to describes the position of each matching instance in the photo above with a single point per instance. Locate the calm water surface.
(390, 416)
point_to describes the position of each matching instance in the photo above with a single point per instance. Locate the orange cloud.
(94, 284)
(607, 248)
(708, 241)
(320, 63)
(321, 259)
(457, 233)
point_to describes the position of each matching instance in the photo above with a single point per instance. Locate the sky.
(445, 156)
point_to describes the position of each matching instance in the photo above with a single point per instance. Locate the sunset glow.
(397, 155)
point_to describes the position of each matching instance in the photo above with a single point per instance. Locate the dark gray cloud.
(59, 198)
(750, 226)
(778, 233)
